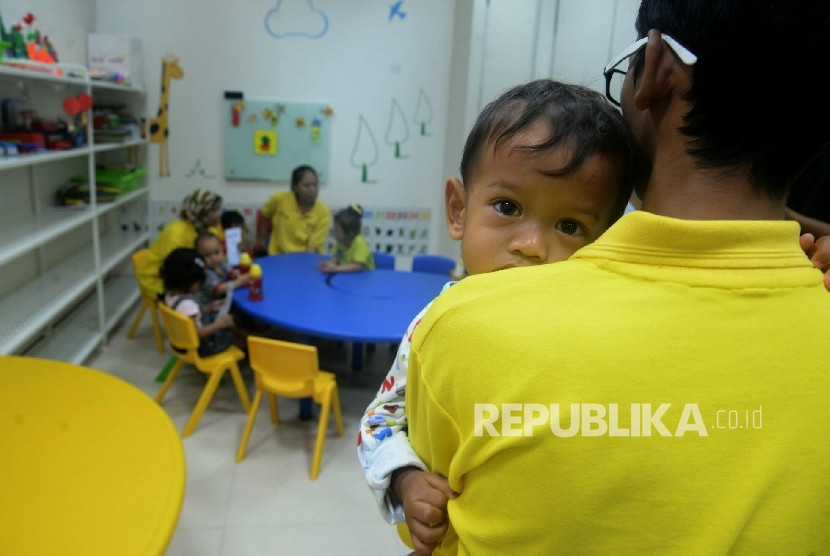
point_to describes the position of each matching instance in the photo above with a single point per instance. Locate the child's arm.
(225, 321)
(332, 266)
(383, 445)
(221, 288)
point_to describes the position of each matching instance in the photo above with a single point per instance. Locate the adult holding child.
(658, 392)
(199, 211)
(299, 221)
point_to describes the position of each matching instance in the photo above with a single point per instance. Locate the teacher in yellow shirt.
(299, 222)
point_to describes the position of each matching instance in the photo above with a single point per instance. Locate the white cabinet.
(65, 272)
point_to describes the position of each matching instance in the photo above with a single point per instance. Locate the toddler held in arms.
(544, 172)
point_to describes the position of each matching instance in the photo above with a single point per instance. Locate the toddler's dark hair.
(181, 269)
(232, 219)
(350, 219)
(580, 120)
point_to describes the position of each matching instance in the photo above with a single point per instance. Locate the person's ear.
(455, 199)
(663, 74)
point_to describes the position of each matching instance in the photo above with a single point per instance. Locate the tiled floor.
(265, 505)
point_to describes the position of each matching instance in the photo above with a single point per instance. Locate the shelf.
(120, 294)
(7, 163)
(103, 147)
(65, 310)
(74, 338)
(48, 225)
(103, 208)
(39, 302)
(107, 86)
(16, 68)
(117, 246)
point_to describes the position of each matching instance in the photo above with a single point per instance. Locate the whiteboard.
(267, 139)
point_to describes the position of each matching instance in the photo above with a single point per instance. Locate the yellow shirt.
(358, 252)
(179, 233)
(664, 391)
(292, 230)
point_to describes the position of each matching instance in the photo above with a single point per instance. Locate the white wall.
(463, 53)
(507, 42)
(358, 66)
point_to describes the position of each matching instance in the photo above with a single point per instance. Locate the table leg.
(357, 356)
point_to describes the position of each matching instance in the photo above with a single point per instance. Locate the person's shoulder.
(490, 290)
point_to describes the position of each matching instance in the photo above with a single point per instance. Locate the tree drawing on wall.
(397, 131)
(365, 151)
(423, 111)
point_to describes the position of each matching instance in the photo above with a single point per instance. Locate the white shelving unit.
(65, 272)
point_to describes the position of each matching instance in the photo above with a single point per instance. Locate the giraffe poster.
(266, 140)
(159, 130)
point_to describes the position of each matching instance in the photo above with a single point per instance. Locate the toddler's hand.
(424, 496)
(819, 253)
(326, 266)
(242, 281)
(225, 321)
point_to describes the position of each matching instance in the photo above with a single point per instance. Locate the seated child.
(219, 276)
(544, 172)
(351, 252)
(183, 272)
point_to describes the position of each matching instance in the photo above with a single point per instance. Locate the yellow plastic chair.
(181, 332)
(148, 301)
(293, 371)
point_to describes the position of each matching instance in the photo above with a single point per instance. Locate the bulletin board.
(267, 139)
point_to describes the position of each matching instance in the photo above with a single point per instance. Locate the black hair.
(757, 106)
(350, 219)
(232, 219)
(298, 173)
(580, 119)
(181, 269)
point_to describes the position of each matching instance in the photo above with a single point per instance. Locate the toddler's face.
(515, 213)
(211, 252)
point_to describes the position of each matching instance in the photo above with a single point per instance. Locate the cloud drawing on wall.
(296, 18)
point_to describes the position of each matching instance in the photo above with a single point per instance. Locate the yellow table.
(89, 464)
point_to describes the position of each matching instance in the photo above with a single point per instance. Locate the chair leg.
(134, 326)
(275, 410)
(322, 428)
(240, 386)
(154, 315)
(249, 426)
(335, 406)
(171, 376)
(204, 400)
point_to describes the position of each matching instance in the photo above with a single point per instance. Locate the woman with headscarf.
(200, 210)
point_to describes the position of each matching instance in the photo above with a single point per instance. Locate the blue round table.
(368, 307)
(373, 306)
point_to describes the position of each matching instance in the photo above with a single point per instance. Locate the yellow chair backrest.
(138, 259)
(181, 331)
(288, 368)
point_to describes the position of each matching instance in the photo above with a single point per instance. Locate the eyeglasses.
(614, 77)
